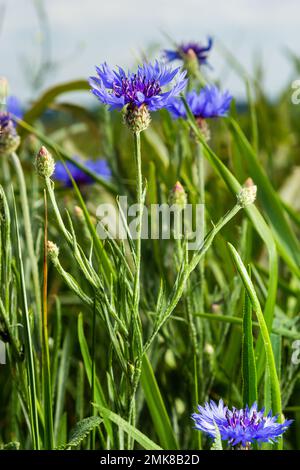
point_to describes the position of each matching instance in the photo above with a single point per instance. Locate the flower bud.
(209, 349)
(79, 213)
(204, 128)
(137, 119)
(178, 196)
(53, 250)
(191, 63)
(44, 163)
(247, 195)
(9, 139)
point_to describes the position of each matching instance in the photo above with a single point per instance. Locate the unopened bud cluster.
(9, 139)
(53, 250)
(204, 128)
(178, 196)
(247, 195)
(137, 119)
(44, 163)
(191, 63)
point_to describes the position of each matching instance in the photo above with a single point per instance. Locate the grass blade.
(47, 389)
(248, 357)
(33, 405)
(134, 433)
(157, 407)
(274, 381)
(99, 394)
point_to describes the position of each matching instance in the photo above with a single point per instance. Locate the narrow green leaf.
(134, 433)
(29, 352)
(248, 357)
(82, 429)
(217, 445)
(275, 385)
(41, 104)
(99, 394)
(63, 373)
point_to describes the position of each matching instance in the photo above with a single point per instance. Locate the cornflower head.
(190, 48)
(239, 427)
(9, 138)
(100, 167)
(140, 91)
(210, 102)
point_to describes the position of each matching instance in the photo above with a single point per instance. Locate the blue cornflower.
(100, 167)
(210, 102)
(143, 87)
(242, 427)
(190, 49)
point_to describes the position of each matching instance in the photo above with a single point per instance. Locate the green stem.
(48, 412)
(30, 366)
(199, 322)
(139, 194)
(29, 240)
(93, 378)
(137, 340)
(201, 182)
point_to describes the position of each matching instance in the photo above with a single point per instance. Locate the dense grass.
(102, 356)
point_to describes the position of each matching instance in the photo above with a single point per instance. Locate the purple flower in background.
(192, 49)
(5, 121)
(210, 102)
(13, 108)
(9, 139)
(242, 427)
(100, 167)
(135, 89)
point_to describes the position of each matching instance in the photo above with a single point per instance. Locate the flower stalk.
(29, 240)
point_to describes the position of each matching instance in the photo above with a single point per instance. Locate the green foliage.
(138, 334)
(134, 433)
(82, 430)
(217, 445)
(248, 358)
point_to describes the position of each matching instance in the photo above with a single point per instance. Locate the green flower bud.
(9, 139)
(53, 250)
(247, 195)
(137, 119)
(204, 128)
(44, 163)
(178, 196)
(191, 63)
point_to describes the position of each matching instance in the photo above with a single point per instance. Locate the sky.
(84, 33)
